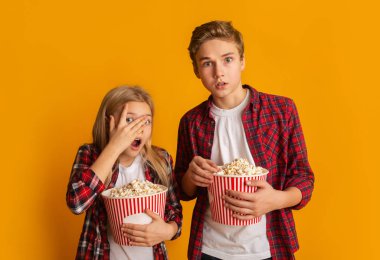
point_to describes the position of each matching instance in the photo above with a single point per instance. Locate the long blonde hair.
(113, 101)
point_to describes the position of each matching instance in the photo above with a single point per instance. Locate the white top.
(119, 252)
(223, 241)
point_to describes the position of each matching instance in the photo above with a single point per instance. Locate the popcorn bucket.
(118, 209)
(221, 183)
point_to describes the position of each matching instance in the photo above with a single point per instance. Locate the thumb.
(257, 183)
(152, 214)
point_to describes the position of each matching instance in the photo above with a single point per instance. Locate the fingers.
(134, 243)
(130, 228)
(237, 202)
(258, 183)
(239, 211)
(241, 195)
(129, 232)
(112, 124)
(201, 182)
(137, 234)
(200, 177)
(151, 214)
(244, 217)
(138, 125)
(135, 240)
(134, 128)
(124, 113)
(205, 164)
(201, 171)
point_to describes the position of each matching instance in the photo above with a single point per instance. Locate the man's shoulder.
(272, 99)
(275, 103)
(196, 112)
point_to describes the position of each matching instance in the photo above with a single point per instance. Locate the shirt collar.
(253, 101)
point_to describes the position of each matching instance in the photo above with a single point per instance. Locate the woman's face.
(135, 111)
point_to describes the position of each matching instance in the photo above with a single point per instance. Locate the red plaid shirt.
(275, 138)
(83, 195)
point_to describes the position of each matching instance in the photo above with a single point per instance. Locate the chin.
(219, 94)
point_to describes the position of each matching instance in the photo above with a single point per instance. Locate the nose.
(219, 71)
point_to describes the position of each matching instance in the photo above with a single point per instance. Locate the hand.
(149, 234)
(201, 170)
(123, 134)
(250, 205)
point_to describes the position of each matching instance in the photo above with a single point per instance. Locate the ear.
(195, 69)
(242, 63)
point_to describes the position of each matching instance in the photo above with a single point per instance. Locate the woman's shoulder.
(90, 149)
(161, 152)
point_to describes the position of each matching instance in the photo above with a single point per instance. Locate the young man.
(237, 121)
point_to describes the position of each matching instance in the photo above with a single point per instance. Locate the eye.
(148, 122)
(129, 120)
(228, 59)
(206, 64)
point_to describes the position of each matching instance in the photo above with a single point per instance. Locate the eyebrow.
(129, 113)
(224, 55)
(228, 54)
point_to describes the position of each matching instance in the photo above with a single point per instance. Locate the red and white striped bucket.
(119, 208)
(221, 183)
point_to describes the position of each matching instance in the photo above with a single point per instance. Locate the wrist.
(280, 199)
(172, 229)
(188, 185)
(288, 197)
(113, 149)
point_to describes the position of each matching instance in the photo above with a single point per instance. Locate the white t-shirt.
(223, 241)
(119, 252)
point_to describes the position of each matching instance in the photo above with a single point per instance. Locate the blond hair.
(221, 30)
(112, 103)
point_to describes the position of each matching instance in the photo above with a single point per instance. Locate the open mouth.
(220, 84)
(136, 143)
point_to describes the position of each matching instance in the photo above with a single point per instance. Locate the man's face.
(219, 67)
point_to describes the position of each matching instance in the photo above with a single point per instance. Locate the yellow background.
(59, 58)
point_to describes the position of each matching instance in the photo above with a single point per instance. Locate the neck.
(126, 161)
(232, 100)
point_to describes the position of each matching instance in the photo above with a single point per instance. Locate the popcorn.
(136, 188)
(233, 176)
(130, 200)
(241, 167)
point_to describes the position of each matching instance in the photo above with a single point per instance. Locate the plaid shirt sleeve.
(185, 153)
(173, 209)
(299, 173)
(84, 185)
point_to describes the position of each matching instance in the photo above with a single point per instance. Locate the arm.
(299, 173)
(122, 135)
(299, 181)
(84, 185)
(173, 208)
(199, 174)
(150, 234)
(185, 152)
(90, 172)
(191, 171)
(264, 200)
(160, 229)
